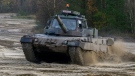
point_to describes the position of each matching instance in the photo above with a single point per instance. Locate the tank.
(68, 33)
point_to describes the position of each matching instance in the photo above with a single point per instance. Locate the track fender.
(88, 46)
(73, 43)
(83, 45)
(26, 39)
(93, 46)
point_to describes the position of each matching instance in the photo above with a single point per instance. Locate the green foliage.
(119, 16)
(22, 13)
(112, 15)
(99, 19)
(103, 14)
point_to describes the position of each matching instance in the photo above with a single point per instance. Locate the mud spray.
(115, 54)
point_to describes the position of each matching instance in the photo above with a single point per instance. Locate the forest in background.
(110, 16)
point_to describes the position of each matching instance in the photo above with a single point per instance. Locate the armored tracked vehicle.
(67, 32)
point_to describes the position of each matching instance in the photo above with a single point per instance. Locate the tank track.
(84, 57)
(29, 52)
(76, 56)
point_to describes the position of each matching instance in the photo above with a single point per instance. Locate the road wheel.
(29, 53)
(76, 55)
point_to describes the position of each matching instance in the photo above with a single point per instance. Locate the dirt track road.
(13, 63)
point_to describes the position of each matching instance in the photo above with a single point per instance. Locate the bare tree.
(130, 4)
(47, 8)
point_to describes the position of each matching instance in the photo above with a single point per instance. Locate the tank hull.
(61, 43)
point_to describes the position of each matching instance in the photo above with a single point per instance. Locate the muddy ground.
(13, 62)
